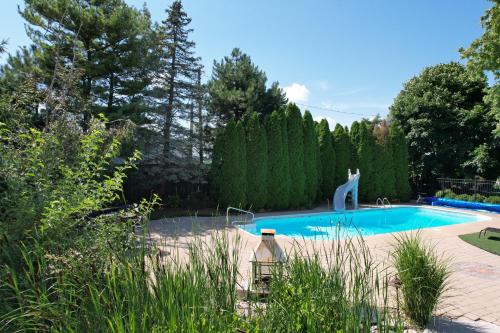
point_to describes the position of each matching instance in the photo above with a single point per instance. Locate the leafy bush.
(477, 197)
(56, 234)
(173, 201)
(449, 194)
(494, 199)
(463, 197)
(423, 277)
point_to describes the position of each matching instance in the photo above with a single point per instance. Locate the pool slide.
(341, 193)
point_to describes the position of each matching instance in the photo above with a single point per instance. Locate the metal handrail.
(238, 210)
(388, 202)
(379, 200)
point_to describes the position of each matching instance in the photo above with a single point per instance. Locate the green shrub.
(173, 201)
(423, 277)
(447, 193)
(494, 199)
(463, 197)
(477, 197)
(439, 194)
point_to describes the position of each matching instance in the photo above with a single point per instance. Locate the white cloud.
(331, 122)
(297, 93)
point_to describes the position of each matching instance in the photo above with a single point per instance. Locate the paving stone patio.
(474, 295)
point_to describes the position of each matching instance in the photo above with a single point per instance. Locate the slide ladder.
(341, 193)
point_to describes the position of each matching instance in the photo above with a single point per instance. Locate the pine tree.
(104, 42)
(238, 87)
(257, 169)
(229, 166)
(177, 75)
(276, 181)
(400, 156)
(296, 156)
(341, 144)
(311, 167)
(327, 157)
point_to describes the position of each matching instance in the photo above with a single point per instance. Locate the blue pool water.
(365, 221)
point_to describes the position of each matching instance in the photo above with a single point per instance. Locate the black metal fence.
(470, 186)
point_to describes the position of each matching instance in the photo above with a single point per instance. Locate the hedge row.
(449, 194)
(288, 161)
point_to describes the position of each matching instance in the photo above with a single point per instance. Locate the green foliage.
(286, 158)
(384, 162)
(312, 295)
(400, 157)
(445, 120)
(367, 190)
(342, 147)
(229, 165)
(484, 55)
(464, 197)
(238, 87)
(423, 277)
(449, 194)
(327, 158)
(257, 169)
(296, 156)
(277, 188)
(354, 136)
(56, 185)
(105, 42)
(311, 159)
(494, 199)
(176, 73)
(173, 201)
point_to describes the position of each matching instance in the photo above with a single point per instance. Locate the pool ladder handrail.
(241, 211)
(388, 202)
(383, 201)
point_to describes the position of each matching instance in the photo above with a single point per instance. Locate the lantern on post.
(264, 258)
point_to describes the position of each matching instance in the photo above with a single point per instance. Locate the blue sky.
(351, 56)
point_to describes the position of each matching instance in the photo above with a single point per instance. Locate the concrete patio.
(471, 305)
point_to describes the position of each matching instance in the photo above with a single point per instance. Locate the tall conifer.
(311, 166)
(296, 156)
(277, 191)
(327, 157)
(257, 169)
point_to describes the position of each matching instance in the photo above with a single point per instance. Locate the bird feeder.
(264, 258)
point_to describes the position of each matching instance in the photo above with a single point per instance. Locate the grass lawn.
(490, 242)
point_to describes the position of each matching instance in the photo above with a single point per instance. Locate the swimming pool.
(368, 222)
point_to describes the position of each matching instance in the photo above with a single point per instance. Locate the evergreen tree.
(327, 157)
(400, 156)
(367, 191)
(341, 144)
(383, 164)
(311, 166)
(296, 156)
(286, 157)
(276, 182)
(238, 86)
(354, 136)
(257, 169)
(228, 166)
(103, 42)
(177, 75)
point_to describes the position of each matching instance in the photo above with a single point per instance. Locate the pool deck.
(472, 303)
